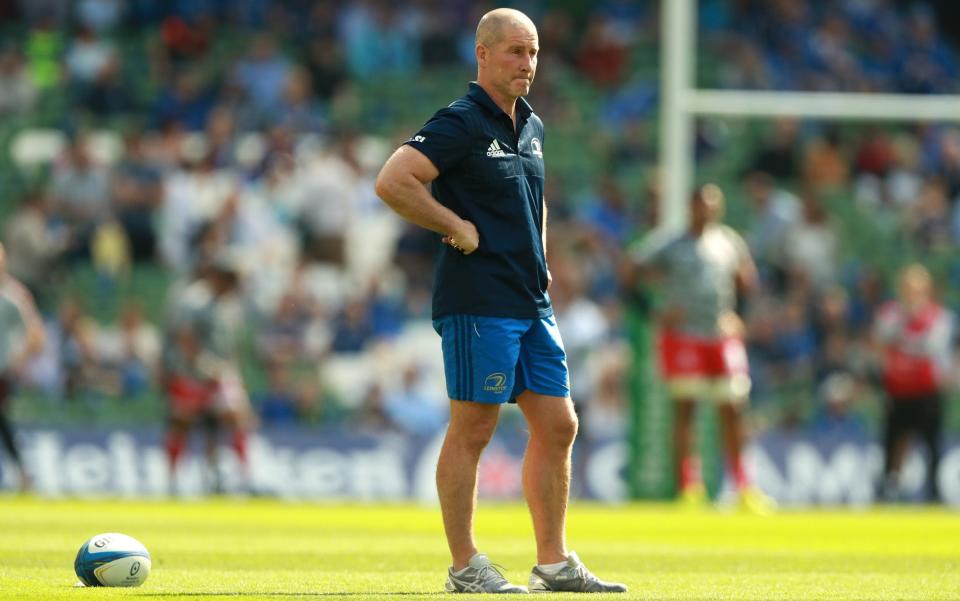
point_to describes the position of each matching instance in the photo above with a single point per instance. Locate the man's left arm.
(746, 280)
(746, 276)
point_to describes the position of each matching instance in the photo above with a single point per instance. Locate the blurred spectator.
(835, 416)
(812, 249)
(130, 350)
(282, 338)
(44, 47)
(352, 330)
(949, 168)
(414, 405)
(330, 183)
(632, 146)
(903, 180)
(371, 417)
(111, 258)
(778, 155)
(279, 403)
(80, 195)
(93, 68)
(324, 60)
(581, 321)
(835, 355)
(194, 194)
(775, 213)
(824, 166)
(605, 411)
(866, 296)
(832, 312)
(262, 73)
(17, 90)
(876, 154)
(74, 337)
(928, 223)
(298, 110)
(137, 193)
(890, 176)
(185, 102)
(221, 137)
(182, 40)
(32, 248)
(795, 339)
(603, 56)
(606, 213)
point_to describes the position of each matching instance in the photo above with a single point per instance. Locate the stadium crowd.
(237, 140)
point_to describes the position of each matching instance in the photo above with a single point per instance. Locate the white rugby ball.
(112, 559)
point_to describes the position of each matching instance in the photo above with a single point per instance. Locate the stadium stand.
(258, 127)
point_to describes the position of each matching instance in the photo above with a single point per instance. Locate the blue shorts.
(494, 359)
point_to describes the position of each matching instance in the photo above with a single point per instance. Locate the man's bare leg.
(734, 438)
(683, 444)
(546, 470)
(471, 427)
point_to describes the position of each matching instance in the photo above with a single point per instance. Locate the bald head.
(506, 51)
(490, 30)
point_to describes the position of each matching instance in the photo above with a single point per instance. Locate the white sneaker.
(572, 578)
(480, 576)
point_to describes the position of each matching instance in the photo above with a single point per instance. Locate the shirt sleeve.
(444, 139)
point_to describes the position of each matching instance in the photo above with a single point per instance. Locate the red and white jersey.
(917, 348)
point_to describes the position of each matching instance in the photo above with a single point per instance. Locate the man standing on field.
(21, 336)
(702, 354)
(483, 155)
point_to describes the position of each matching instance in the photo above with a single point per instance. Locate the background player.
(701, 350)
(915, 335)
(21, 336)
(201, 376)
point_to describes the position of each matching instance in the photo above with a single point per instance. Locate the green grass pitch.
(261, 549)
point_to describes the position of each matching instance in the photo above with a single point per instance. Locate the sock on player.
(690, 473)
(741, 477)
(551, 569)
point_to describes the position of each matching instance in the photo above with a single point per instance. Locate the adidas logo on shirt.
(494, 150)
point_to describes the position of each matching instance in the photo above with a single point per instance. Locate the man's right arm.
(402, 184)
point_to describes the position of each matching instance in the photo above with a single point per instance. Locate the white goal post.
(681, 103)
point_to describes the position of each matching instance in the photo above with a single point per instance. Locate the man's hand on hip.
(466, 239)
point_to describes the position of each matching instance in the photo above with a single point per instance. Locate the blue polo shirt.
(492, 176)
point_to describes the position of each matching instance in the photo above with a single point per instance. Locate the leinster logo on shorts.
(495, 383)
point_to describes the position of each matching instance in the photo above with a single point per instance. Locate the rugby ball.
(112, 559)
